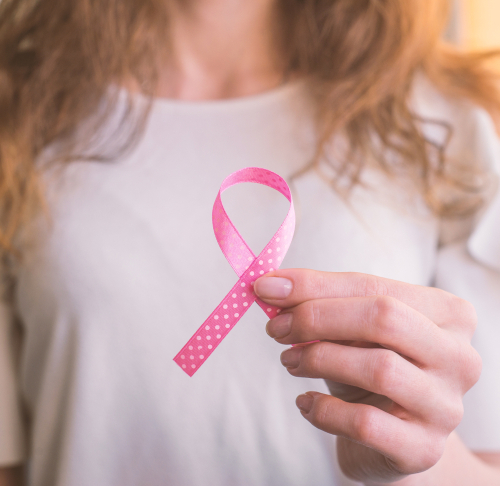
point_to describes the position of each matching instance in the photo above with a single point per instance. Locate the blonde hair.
(58, 58)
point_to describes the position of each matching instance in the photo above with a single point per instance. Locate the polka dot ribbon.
(247, 266)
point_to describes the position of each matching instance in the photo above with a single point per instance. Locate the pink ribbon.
(247, 266)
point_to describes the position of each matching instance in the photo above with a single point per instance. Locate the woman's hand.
(396, 357)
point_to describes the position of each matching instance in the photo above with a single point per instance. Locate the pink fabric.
(246, 265)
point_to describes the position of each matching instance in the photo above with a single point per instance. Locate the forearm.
(458, 467)
(11, 476)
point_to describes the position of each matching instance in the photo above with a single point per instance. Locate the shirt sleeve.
(470, 269)
(12, 427)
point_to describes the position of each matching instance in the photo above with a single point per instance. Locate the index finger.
(290, 287)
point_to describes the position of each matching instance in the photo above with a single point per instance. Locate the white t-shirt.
(117, 281)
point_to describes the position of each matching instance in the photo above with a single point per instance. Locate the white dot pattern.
(244, 263)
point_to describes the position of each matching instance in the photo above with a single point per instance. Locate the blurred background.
(475, 24)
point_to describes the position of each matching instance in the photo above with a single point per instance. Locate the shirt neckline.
(275, 95)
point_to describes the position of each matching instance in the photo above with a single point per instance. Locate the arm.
(458, 467)
(397, 359)
(491, 458)
(11, 476)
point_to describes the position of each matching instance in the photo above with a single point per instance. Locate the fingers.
(403, 443)
(290, 287)
(387, 322)
(377, 370)
(382, 320)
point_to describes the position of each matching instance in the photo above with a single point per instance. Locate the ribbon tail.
(215, 328)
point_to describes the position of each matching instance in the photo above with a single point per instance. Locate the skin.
(224, 49)
(221, 49)
(397, 359)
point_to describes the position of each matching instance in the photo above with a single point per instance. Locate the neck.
(221, 49)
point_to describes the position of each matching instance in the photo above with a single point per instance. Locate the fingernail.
(291, 357)
(273, 288)
(304, 402)
(280, 326)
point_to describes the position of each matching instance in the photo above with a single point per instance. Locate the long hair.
(59, 57)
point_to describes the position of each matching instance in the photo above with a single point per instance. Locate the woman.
(121, 119)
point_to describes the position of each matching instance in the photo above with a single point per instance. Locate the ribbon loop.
(247, 266)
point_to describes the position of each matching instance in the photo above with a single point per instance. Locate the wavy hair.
(59, 57)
